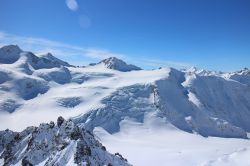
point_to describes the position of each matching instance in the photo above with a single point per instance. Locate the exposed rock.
(60, 121)
(54, 145)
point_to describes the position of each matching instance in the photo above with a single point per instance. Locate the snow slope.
(155, 143)
(239, 157)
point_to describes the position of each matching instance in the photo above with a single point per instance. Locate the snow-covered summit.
(53, 59)
(13, 54)
(24, 75)
(118, 64)
(242, 76)
(9, 54)
(201, 72)
(245, 71)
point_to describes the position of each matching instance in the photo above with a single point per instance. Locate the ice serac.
(62, 143)
(204, 104)
(118, 64)
(207, 105)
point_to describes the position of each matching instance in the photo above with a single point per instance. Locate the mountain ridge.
(61, 143)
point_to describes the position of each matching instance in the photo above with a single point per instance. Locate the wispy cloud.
(61, 50)
(80, 55)
(101, 54)
(72, 5)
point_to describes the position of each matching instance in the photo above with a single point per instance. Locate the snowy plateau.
(114, 113)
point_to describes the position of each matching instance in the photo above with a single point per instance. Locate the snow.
(60, 100)
(58, 75)
(150, 143)
(239, 157)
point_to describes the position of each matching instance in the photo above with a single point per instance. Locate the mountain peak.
(245, 71)
(118, 64)
(11, 48)
(113, 58)
(53, 59)
(9, 54)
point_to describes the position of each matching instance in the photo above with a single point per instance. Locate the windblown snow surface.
(152, 117)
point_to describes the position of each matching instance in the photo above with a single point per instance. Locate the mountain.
(62, 143)
(196, 101)
(118, 64)
(23, 75)
(53, 59)
(9, 54)
(113, 99)
(242, 76)
(13, 54)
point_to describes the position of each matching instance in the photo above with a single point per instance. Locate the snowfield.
(88, 85)
(152, 117)
(154, 143)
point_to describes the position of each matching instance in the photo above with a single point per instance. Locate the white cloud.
(72, 5)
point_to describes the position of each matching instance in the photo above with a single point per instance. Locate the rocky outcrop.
(50, 144)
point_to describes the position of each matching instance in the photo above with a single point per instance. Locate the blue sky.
(210, 34)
